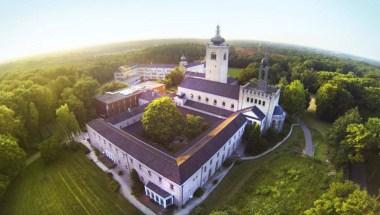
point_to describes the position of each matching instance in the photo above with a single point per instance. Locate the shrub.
(199, 192)
(110, 174)
(215, 181)
(227, 162)
(137, 185)
(120, 172)
(115, 186)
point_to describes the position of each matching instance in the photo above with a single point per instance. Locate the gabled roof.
(157, 190)
(177, 169)
(258, 112)
(212, 87)
(278, 110)
(208, 108)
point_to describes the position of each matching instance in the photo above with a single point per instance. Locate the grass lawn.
(283, 182)
(234, 72)
(72, 185)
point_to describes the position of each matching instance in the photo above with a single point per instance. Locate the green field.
(72, 185)
(234, 72)
(281, 183)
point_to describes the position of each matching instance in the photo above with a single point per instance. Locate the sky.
(29, 27)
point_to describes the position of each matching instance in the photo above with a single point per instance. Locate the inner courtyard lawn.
(71, 185)
(283, 182)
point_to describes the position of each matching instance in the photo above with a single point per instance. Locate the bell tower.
(217, 58)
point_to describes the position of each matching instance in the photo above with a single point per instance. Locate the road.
(309, 147)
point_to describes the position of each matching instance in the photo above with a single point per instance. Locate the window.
(199, 97)
(191, 96)
(232, 106)
(210, 161)
(255, 101)
(140, 166)
(160, 179)
(224, 104)
(247, 99)
(215, 101)
(131, 160)
(259, 102)
(206, 99)
(263, 103)
(171, 186)
(251, 100)
(150, 173)
(213, 56)
(225, 56)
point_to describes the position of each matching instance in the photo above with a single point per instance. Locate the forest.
(43, 100)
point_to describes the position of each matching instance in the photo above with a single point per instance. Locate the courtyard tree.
(345, 198)
(12, 156)
(111, 86)
(50, 149)
(194, 126)
(294, 98)
(252, 138)
(162, 121)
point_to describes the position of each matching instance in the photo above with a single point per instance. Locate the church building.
(172, 178)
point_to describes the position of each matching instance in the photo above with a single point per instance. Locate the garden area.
(71, 185)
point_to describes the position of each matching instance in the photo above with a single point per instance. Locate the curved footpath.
(309, 147)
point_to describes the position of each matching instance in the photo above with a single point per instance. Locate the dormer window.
(213, 56)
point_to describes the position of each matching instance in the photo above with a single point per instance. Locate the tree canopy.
(294, 98)
(343, 199)
(162, 121)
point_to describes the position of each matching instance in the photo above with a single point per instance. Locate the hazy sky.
(37, 26)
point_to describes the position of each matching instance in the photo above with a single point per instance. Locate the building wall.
(194, 96)
(217, 69)
(266, 102)
(182, 193)
(122, 105)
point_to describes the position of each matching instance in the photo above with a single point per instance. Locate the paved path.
(309, 147)
(273, 148)
(32, 158)
(123, 180)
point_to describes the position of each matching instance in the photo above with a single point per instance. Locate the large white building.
(172, 178)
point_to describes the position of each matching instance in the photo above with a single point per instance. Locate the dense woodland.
(44, 100)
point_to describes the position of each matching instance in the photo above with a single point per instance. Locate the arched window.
(232, 106)
(247, 99)
(213, 56)
(215, 102)
(206, 99)
(199, 98)
(224, 104)
(251, 100)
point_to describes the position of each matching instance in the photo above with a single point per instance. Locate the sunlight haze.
(41, 26)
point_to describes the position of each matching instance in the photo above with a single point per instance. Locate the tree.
(85, 90)
(338, 132)
(4, 182)
(332, 101)
(111, 86)
(137, 185)
(252, 138)
(76, 105)
(356, 142)
(32, 122)
(12, 157)
(194, 126)
(175, 77)
(294, 98)
(9, 123)
(50, 149)
(66, 123)
(251, 71)
(344, 199)
(162, 121)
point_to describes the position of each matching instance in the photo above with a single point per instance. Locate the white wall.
(182, 193)
(211, 98)
(198, 68)
(217, 69)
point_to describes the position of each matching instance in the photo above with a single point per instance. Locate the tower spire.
(217, 39)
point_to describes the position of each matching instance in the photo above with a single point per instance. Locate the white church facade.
(173, 178)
